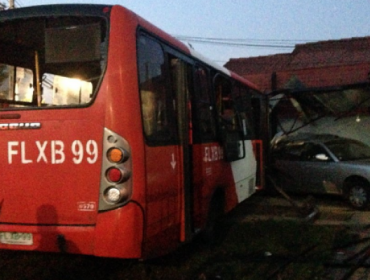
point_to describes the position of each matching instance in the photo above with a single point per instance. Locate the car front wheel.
(359, 195)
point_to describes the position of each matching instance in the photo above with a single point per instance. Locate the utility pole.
(11, 4)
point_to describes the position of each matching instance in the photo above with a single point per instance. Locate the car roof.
(305, 137)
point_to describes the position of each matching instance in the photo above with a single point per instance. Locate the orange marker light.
(115, 155)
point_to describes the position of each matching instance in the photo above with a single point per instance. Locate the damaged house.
(321, 87)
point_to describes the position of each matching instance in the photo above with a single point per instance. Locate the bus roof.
(56, 9)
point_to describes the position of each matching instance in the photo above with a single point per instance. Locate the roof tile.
(347, 51)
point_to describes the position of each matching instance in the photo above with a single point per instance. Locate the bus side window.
(203, 111)
(225, 104)
(242, 99)
(148, 104)
(156, 105)
(230, 128)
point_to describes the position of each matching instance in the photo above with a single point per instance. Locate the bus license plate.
(16, 238)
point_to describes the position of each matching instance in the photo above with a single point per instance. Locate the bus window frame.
(199, 136)
(165, 74)
(232, 139)
(243, 96)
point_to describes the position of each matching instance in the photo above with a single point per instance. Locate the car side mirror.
(321, 157)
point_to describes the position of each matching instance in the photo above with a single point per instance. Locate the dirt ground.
(353, 261)
(330, 210)
(201, 261)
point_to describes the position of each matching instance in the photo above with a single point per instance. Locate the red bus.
(117, 140)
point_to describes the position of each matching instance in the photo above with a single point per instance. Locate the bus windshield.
(56, 61)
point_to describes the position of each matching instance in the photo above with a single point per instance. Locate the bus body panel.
(57, 164)
(120, 90)
(244, 173)
(211, 171)
(119, 233)
(163, 199)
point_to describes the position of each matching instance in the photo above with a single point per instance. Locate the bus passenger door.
(182, 81)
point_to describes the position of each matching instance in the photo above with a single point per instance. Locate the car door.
(317, 170)
(288, 165)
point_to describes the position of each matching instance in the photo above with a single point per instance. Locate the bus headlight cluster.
(117, 174)
(115, 189)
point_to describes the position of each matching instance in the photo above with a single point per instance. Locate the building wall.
(313, 77)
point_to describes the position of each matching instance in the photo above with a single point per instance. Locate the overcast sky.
(269, 24)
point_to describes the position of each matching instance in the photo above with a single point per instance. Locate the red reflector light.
(114, 175)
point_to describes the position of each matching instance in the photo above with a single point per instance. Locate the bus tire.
(213, 230)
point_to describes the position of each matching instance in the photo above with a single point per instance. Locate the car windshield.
(348, 149)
